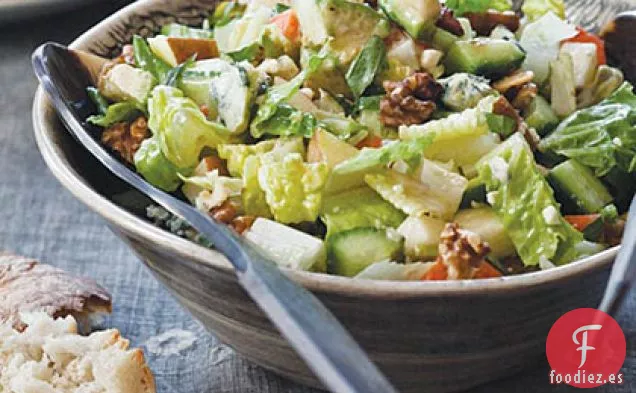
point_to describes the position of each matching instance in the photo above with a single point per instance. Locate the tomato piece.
(581, 221)
(586, 37)
(288, 23)
(438, 271)
(372, 141)
(486, 270)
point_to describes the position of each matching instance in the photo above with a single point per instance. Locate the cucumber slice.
(540, 116)
(417, 17)
(577, 188)
(352, 251)
(484, 56)
(484, 222)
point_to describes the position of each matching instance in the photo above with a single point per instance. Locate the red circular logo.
(586, 348)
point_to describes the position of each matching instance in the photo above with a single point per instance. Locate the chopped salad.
(394, 140)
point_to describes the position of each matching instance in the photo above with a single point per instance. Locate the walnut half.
(462, 251)
(410, 101)
(125, 138)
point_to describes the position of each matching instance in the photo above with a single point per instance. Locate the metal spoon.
(624, 270)
(316, 335)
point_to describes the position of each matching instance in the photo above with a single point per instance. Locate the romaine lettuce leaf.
(254, 198)
(116, 113)
(479, 6)
(602, 136)
(155, 167)
(534, 9)
(435, 191)
(525, 203)
(369, 62)
(293, 189)
(236, 155)
(461, 137)
(181, 128)
(368, 160)
(359, 208)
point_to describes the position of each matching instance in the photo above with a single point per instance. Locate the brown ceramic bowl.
(433, 336)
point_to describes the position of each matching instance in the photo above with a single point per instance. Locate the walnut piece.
(28, 286)
(448, 22)
(125, 138)
(485, 22)
(463, 252)
(410, 101)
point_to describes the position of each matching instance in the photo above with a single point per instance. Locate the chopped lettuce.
(478, 6)
(522, 198)
(366, 66)
(602, 137)
(461, 137)
(212, 189)
(435, 191)
(226, 12)
(148, 61)
(98, 99)
(410, 152)
(120, 112)
(534, 9)
(155, 167)
(541, 40)
(181, 128)
(359, 208)
(254, 199)
(278, 95)
(287, 121)
(293, 189)
(236, 155)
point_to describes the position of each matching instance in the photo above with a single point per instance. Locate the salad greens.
(395, 140)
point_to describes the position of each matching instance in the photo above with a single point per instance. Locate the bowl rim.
(44, 126)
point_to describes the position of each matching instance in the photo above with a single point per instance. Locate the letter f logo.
(584, 347)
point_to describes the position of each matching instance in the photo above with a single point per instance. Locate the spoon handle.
(316, 335)
(624, 269)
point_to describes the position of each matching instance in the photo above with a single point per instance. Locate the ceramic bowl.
(433, 336)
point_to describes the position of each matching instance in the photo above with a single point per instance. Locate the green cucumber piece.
(484, 56)
(417, 17)
(577, 188)
(485, 222)
(352, 251)
(540, 116)
(475, 194)
(443, 40)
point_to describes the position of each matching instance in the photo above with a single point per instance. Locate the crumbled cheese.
(499, 169)
(617, 141)
(491, 197)
(550, 215)
(545, 263)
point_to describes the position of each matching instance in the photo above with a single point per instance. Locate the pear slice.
(176, 50)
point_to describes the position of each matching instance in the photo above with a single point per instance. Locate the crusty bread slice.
(29, 286)
(50, 357)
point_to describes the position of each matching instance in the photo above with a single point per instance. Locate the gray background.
(38, 218)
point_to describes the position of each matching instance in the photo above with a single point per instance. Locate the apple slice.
(176, 50)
